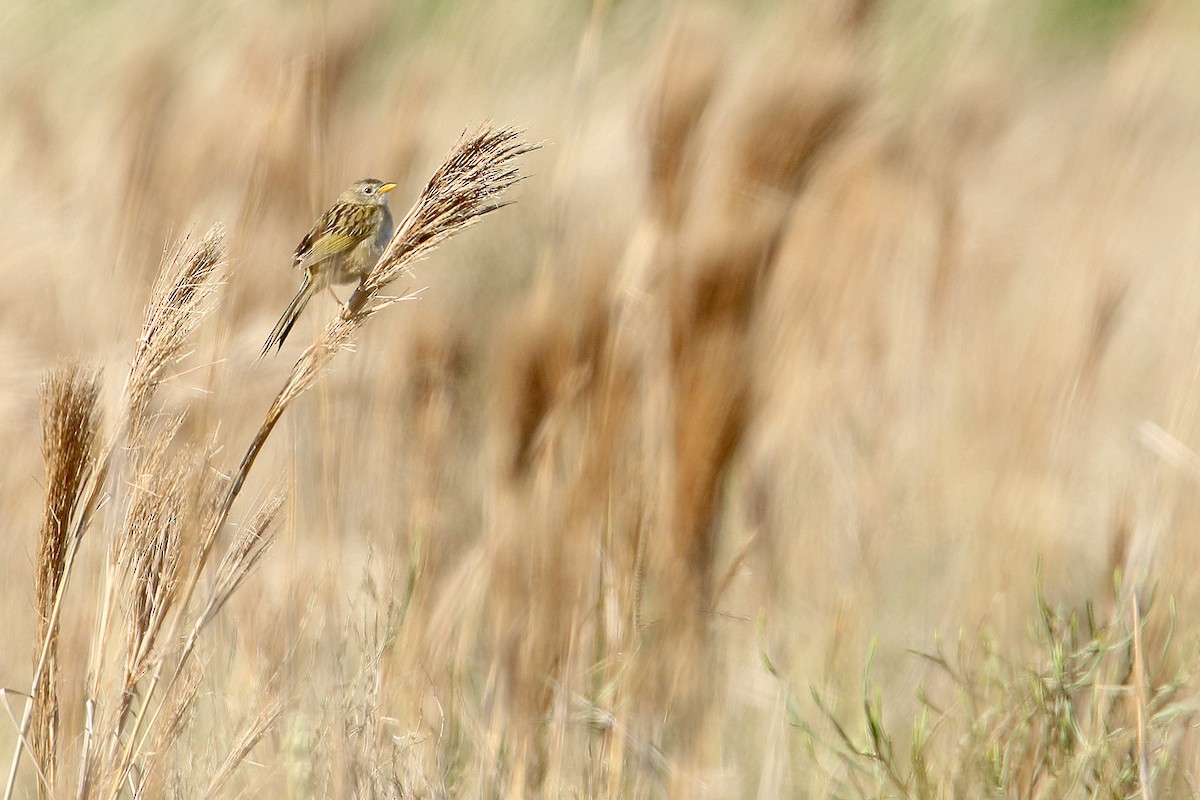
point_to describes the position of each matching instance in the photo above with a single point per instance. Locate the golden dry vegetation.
(819, 419)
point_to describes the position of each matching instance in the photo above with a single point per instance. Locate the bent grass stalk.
(466, 187)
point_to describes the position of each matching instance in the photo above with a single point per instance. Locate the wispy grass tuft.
(182, 296)
(1085, 714)
(70, 426)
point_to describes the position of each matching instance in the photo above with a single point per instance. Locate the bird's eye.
(368, 190)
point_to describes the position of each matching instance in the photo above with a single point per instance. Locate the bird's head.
(368, 191)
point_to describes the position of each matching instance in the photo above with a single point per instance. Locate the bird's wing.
(339, 230)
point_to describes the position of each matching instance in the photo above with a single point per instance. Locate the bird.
(342, 247)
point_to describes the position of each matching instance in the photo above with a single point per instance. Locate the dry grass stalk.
(465, 188)
(145, 555)
(368, 767)
(786, 129)
(717, 266)
(247, 549)
(169, 495)
(1107, 317)
(255, 729)
(182, 297)
(176, 719)
(179, 301)
(70, 424)
(538, 372)
(566, 396)
(712, 303)
(1140, 692)
(712, 306)
(569, 414)
(691, 67)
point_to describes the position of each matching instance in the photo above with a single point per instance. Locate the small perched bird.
(342, 247)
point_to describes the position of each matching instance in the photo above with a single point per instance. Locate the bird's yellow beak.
(387, 187)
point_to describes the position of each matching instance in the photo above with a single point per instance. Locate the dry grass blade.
(70, 421)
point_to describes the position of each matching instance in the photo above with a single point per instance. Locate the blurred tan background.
(814, 329)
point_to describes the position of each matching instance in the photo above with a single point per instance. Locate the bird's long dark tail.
(284, 326)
